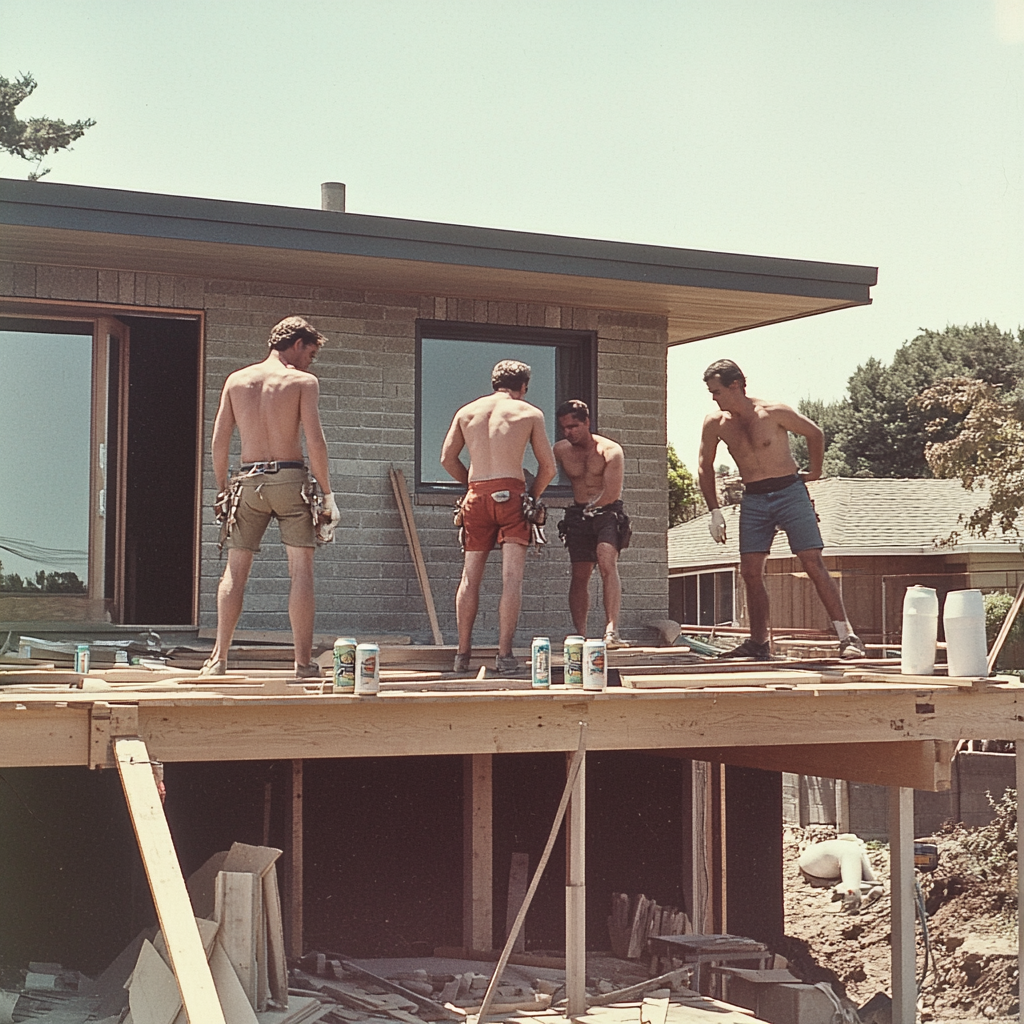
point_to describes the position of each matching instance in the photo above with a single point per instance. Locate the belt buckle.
(501, 496)
(263, 467)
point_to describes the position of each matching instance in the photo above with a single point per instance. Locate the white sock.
(843, 629)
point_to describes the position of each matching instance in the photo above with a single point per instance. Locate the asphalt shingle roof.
(858, 516)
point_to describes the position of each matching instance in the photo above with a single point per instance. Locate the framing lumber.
(238, 910)
(293, 864)
(576, 893)
(901, 888)
(477, 852)
(701, 838)
(170, 897)
(575, 767)
(413, 540)
(923, 765)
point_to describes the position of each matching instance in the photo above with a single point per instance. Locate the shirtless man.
(756, 433)
(269, 402)
(594, 526)
(496, 430)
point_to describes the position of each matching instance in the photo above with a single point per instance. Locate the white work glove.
(329, 518)
(717, 526)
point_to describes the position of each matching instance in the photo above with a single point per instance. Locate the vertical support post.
(576, 898)
(842, 806)
(701, 847)
(1020, 873)
(477, 852)
(293, 864)
(901, 884)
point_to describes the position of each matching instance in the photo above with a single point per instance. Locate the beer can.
(595, 665)
(82, 658)
(541, 662)
(345, 664)
(367, 668)
(573, 660)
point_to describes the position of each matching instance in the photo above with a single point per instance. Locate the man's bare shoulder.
(714, 421)
(561, 447)
(607, 447)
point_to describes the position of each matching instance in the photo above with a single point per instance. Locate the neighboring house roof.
(701, 293)
(859, 516)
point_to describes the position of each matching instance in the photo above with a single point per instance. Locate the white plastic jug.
(920, 629)
(963, 618)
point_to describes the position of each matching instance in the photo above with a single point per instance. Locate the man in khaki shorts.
(270, 403)
(496, 429)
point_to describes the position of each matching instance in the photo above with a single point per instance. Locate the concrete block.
(794, 1004)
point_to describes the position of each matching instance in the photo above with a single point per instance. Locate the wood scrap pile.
(412, 996)
(634, 919)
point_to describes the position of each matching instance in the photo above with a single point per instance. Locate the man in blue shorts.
(756, 433)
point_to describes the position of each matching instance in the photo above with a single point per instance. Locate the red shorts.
(492, 513)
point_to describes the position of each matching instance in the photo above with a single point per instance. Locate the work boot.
(214, 668)
(462, 662)
(750, 648)
(310, 671)
(852, 647)
(506, 664)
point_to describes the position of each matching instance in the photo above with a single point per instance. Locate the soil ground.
(971, 903)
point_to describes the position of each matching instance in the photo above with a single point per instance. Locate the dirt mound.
(971, 905)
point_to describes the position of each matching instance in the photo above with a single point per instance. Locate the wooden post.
(1020, 874)
(293, 865)
(477, 852)
(901, 886)
(166, 883)
(701, 847)
(576, 898)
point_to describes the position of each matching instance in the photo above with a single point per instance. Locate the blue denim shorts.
(789, 509)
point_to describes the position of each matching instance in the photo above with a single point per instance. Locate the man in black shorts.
(595, 528)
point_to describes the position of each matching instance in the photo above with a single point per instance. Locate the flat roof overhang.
(702, 294)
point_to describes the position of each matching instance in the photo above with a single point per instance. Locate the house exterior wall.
(365, 582)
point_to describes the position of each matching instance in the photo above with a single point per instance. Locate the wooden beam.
(477, 852)
(413, 540)
(924, 765)
(701, 853)
(576, 896)
(901, 889)
(170, 897)
(293, 863)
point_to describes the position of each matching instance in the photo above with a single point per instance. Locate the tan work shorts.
(267, 496)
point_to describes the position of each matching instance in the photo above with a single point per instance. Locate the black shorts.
(581, 534)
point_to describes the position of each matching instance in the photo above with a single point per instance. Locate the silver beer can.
(595, 665)
(573, 661)
(345, 664)
(367, 668)
(541, 662)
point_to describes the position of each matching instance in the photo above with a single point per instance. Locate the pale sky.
(869, 132)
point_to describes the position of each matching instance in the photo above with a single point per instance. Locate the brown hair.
(576, 408)
(726, 371)
(510, 374)
(292, 329)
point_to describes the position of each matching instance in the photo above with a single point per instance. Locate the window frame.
(585, 342)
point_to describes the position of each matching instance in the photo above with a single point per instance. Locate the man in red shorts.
(496, 429)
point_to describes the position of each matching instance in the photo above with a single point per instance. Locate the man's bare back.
(269, 402)
(496, 430)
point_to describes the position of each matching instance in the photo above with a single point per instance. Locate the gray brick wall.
(365, 581)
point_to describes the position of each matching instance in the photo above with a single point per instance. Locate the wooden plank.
(294, 864)
(477, 858)
(640, 680)
(238, 898)
(700, 847)
(576, 895)
(277, 966)
(237, 1008)
(153, 993)
(518, 879)
(170, 896)
(654, 1010)
(280, 636)
(413, 540)
(926, 764)
(901, 886)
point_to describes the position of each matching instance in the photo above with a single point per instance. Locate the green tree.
(685, 501)
(876, 430)
(38, 136)
(986, 451)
